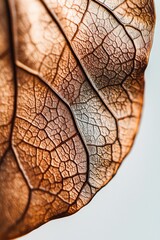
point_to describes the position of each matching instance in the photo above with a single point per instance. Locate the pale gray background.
(128, 208)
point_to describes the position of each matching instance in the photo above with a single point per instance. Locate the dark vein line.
(13, 60)
(84, 14)
(11, 44)
(58, 63)
(12, 51)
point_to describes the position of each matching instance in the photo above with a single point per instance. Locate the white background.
(128, 208)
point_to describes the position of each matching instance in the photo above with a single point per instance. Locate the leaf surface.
(72, 83)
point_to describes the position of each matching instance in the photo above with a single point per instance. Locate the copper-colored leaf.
(71, 94)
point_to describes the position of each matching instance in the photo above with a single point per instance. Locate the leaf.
(72, 83)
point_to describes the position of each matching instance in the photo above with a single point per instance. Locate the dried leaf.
(72, 82)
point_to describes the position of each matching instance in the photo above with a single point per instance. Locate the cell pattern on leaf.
(71, 95)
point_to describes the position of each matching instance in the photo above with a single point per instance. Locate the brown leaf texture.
(71, 94)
